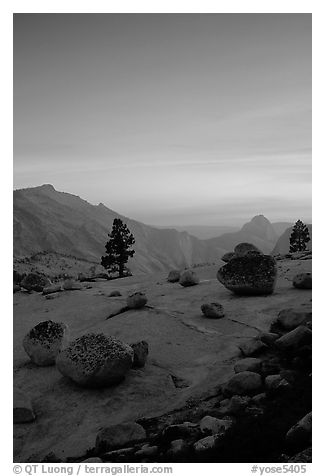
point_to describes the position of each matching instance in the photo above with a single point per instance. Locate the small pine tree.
(299, 237)
(118, 248)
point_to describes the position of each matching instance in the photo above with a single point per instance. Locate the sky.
(171, 119)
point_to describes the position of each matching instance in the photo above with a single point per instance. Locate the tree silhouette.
(299, 237)
(118, 248)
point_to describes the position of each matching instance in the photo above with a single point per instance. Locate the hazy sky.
(166, 118)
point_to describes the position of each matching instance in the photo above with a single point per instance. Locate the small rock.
(51, 296)
(119, 456)
(244, 383)
(299, 436)
(53, 288)
(270, 366)
(302, 281)
(228, 256)
(173, 276)
(291, 318)
(22, 407)
(298, 337)
(44, 342)
(236, 405)
(71, 285)
(117, 436)
(250, 363)
(178, 450)
(35, 282)
(268, 338)
(272, 382)
(147, 452)
(16, 288)
(304, 456)
(136, 300)
(259, 399)
(208, 444)
(180, 431)
(213, 310)
(115, 294)
(189, 278)
(211, 426)
(92, 460)
(141, 350)
(252, 347)
(95, 360)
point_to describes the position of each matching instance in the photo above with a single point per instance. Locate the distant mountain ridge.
(46, 220)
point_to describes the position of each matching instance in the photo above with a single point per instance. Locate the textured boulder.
(71, 285)
(244, 383)
(228, 256)
(173, 276)
(136, 300)
(290, 318)
(94, 360)
(53, 288)
(254, 275)
(246, 249)
(189, 278)
(250, 363)
(141, 350)
(35, 282)
(22, 407)
(300, 336)
(213, 310)
(302, 281)
(44, 342)
(119, 436)
(268, 338)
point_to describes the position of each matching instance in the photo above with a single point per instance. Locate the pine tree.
(118, 248)
(299, 237)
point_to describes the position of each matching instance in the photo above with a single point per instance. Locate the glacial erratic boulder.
(44, 342)
(173, 276)
(136, 300)
(213, 310)
(294, 339)
(302, 281)
(189, 278)
(95, 360)
(35, 282)
(254, 275)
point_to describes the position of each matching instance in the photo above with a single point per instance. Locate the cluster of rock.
(248, 271)
(259, 401)
(186, 278)
(92, 360)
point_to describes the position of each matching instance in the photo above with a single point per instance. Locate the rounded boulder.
(95, 360)
(44, 342)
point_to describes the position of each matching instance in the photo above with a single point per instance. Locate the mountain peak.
(259, 219)
(47, 187)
